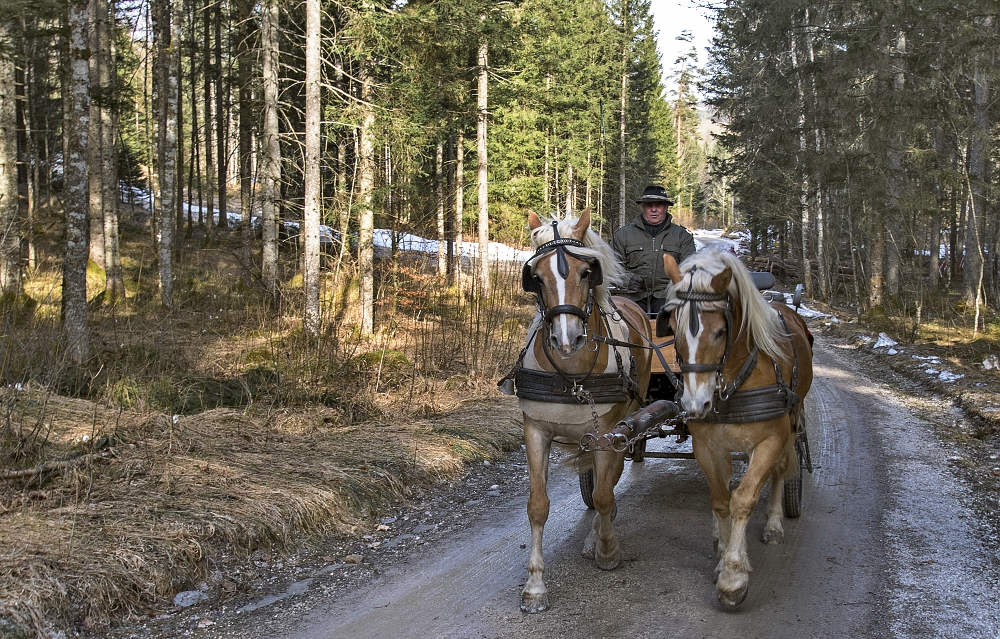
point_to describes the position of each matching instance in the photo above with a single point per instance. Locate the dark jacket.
(642, 255)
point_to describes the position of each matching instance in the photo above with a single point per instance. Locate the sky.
(670, 18)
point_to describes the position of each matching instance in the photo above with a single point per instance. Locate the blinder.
(663, 323)
(691, 298)
(529, 282)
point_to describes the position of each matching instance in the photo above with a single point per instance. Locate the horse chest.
(574, 414)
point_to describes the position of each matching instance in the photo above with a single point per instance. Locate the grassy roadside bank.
(151, 500)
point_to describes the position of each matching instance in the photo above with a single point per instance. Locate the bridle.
(692, 299)
(531, 283)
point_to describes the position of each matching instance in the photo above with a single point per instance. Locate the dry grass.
(119, 537)
(216, 427)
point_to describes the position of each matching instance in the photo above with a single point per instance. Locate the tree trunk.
(271, 164)
(114, 282)
(804, 195)
(246, 123)
(366, 215)
(95, 187)
(221, 122)
(76, 127)
(10, 240)
(207, 67)
(484, 208)
(442, 264)
(570, 203)
(311, 216)
(344, 218)
(166, 61)
(459, 202)
(876, 285)
(978, 176)
(30, 150)
(626, 36)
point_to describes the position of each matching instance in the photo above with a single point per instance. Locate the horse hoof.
(773, 537)
(534, 603)
(732, 600)
(609, 561)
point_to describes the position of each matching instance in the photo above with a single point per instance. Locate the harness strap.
(656, 349)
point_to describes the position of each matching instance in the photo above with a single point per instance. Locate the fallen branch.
(52, 466)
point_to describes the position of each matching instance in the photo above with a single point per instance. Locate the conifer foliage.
(858, 142)
(213, 115)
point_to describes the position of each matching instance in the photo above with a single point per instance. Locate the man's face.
(654, 212)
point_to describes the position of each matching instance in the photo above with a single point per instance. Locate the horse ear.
(720, 283)
(670, 268)
(580, 230)
(533, 220)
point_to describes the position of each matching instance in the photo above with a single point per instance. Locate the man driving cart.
(641, 245)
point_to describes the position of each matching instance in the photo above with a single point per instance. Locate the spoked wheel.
(587, 487)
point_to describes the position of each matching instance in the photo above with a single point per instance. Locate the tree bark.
(978, 176)
(95, 187)
(624, 103)
(442, 263)
(166, 61)
(10, 240)
(114, 282)
(246, 122)
(484, 208)
(208, 70)
(76, 127)
(221, 122)
(366, 213)
(311, 216)
(271, 164)
(804, 195)
(459, 201)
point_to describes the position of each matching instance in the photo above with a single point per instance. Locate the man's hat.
(654, 193)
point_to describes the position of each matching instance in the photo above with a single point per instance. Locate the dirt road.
(886, 547)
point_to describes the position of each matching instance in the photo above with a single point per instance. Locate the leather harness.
(730, 405)
(561, 387)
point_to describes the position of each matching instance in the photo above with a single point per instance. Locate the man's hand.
(633, 284)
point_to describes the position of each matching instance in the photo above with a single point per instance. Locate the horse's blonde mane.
(593, 246)
(766, 329)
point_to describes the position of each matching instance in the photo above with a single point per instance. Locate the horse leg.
(718, 468)
(774, 533)
(734, 580)
(602, 540)
(535, 596)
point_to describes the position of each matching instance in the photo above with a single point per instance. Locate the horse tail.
(582, 460)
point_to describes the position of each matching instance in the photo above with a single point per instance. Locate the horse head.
(563, 274)
(700, 316)
(717, 316)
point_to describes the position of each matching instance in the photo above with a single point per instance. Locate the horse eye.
(719, 333)
(585, 275)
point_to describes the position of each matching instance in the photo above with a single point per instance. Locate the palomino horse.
(746, 366)
(579, 372)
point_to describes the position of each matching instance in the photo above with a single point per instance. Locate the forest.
(859, 135)
(205, 207)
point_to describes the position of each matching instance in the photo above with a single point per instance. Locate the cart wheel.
(791, 498)
(639, 452)
(587, 487)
